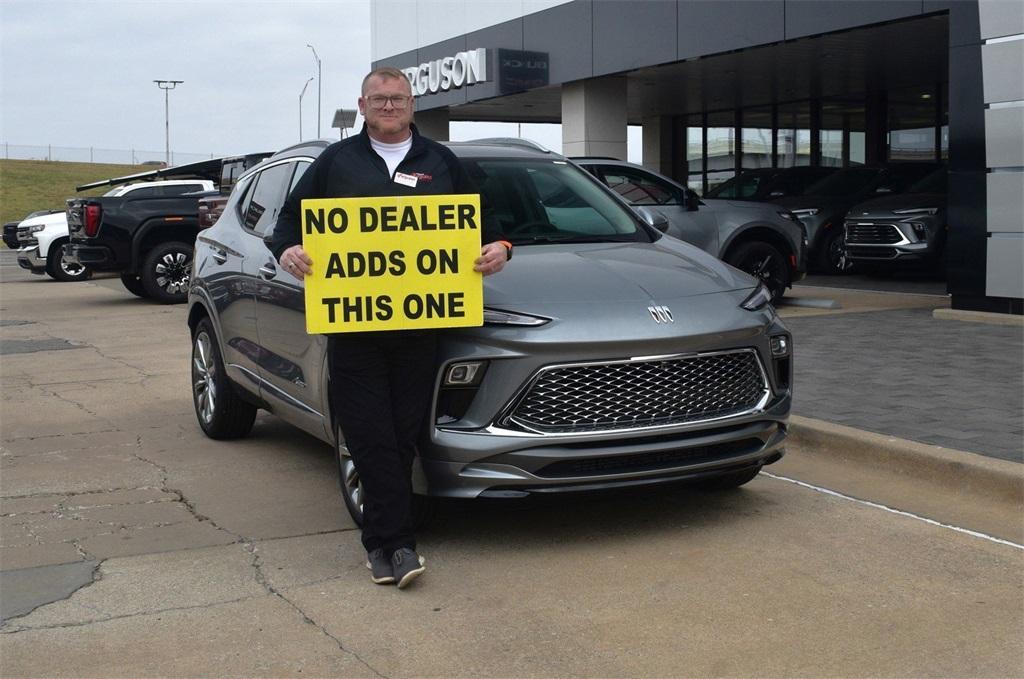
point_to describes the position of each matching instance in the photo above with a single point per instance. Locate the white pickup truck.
(42, 239)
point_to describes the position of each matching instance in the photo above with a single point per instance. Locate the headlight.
(917, 211)
(808, 212)
(758, 299)
(498, 317)
(37, 228)
(787, 215)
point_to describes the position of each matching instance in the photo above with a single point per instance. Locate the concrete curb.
(978, 317)
(956, 470)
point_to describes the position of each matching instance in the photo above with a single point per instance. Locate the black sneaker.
(380, 567)
(406, 565)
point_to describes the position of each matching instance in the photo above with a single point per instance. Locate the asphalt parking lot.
(131, 545)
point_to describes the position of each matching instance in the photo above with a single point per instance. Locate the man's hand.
(296, 262)
(491, 260)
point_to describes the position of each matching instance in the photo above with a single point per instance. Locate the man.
(381, 382)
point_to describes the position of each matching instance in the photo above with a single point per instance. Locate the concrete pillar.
(657, 144)
(594, 117)
(433, 124)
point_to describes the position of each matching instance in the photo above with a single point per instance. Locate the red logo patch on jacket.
(422, 177)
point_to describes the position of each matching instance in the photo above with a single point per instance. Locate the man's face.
(389, 123)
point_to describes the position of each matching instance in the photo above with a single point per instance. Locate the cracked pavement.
(138, 547)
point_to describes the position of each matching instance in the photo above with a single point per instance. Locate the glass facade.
(894, 126)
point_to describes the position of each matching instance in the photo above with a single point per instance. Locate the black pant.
(381, 388)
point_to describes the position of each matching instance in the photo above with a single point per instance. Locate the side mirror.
(653, 218)
(692, 201)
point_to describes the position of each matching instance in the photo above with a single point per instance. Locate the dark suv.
(610, 354)
(823, 207)
(886, 233)
(769, 183)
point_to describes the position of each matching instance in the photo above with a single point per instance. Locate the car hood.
(904, 201)
(605, 273)
(55, 218)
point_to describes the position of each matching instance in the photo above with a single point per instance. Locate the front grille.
(642, 462)
(872, 234)
(641, 393)
(25, 238)
(870, 253)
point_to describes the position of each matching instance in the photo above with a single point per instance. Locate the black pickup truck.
(149, 239)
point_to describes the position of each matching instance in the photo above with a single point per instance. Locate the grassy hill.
(30, 185)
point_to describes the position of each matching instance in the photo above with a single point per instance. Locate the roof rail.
(511, 141)
(595, 158)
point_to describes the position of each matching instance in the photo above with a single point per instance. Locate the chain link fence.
(74, 154)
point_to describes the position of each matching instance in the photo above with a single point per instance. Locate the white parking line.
(867, 503)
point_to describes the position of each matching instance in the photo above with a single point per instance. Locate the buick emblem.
(661, 314)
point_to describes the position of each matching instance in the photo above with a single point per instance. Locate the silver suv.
(766, 241)
(610, 355)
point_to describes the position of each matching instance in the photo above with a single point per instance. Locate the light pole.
(167, 86)
(302, 94)
(318, 86)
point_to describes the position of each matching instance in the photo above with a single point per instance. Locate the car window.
(936, 182)
(901, 177)
(267, 196)
(541, 199)
(300, 169)
(844, 182)
(180, 189)
(639, 188)
(145, 192)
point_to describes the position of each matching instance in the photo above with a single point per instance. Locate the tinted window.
(300, 169)
(146, 192)
(180, 189)
(268, 195)
(901, 177)
(548, 199)
(639, 188)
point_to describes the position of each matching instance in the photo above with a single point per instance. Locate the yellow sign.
(394, 263)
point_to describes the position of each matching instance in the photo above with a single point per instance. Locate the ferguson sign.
(441, 75)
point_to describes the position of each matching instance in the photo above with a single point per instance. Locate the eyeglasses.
(379, 101)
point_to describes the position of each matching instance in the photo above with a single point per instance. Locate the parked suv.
(824, 205)
(610, 355)
(769, 183)
(885, 233)
(764, 240)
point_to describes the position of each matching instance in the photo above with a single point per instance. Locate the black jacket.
(351, 168)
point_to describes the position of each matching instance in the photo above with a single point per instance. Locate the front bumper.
(28, 258)
(882, 241)
(96, 257)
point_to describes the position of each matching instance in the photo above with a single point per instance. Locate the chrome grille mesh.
(641, 393)
(872, 233)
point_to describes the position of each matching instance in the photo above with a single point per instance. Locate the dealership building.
(722, 86)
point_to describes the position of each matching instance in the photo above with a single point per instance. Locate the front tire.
(59, 270)
(220, 411)
(763, 261)
(133, 284)
(354, 496)
(165, 272)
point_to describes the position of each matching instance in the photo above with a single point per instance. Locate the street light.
(318, 85)
(302, 94)
(167, 86)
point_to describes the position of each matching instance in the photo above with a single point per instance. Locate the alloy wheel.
(351, 486)
(172, 272)
(204, 369)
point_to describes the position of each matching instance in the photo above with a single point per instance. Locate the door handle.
(268, 271)
(219, 256)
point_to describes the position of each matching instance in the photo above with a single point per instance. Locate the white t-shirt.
(393, 154)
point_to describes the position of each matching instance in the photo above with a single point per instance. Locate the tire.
(730, 480)
(133, 284)
(220, 411)
(58, 270)
(165, 272)
(352, 488)
(763, 261)
(832, 259)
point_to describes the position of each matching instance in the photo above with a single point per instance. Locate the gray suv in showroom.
(765, 240)
(610, 355)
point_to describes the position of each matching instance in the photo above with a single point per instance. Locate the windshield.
(844, 182)
(549, 201)
(933, 183)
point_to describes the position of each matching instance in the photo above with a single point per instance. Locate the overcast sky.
(80, 74)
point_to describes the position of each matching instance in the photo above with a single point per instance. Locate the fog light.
(919, 230)
(780, 345)
(463, 374)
